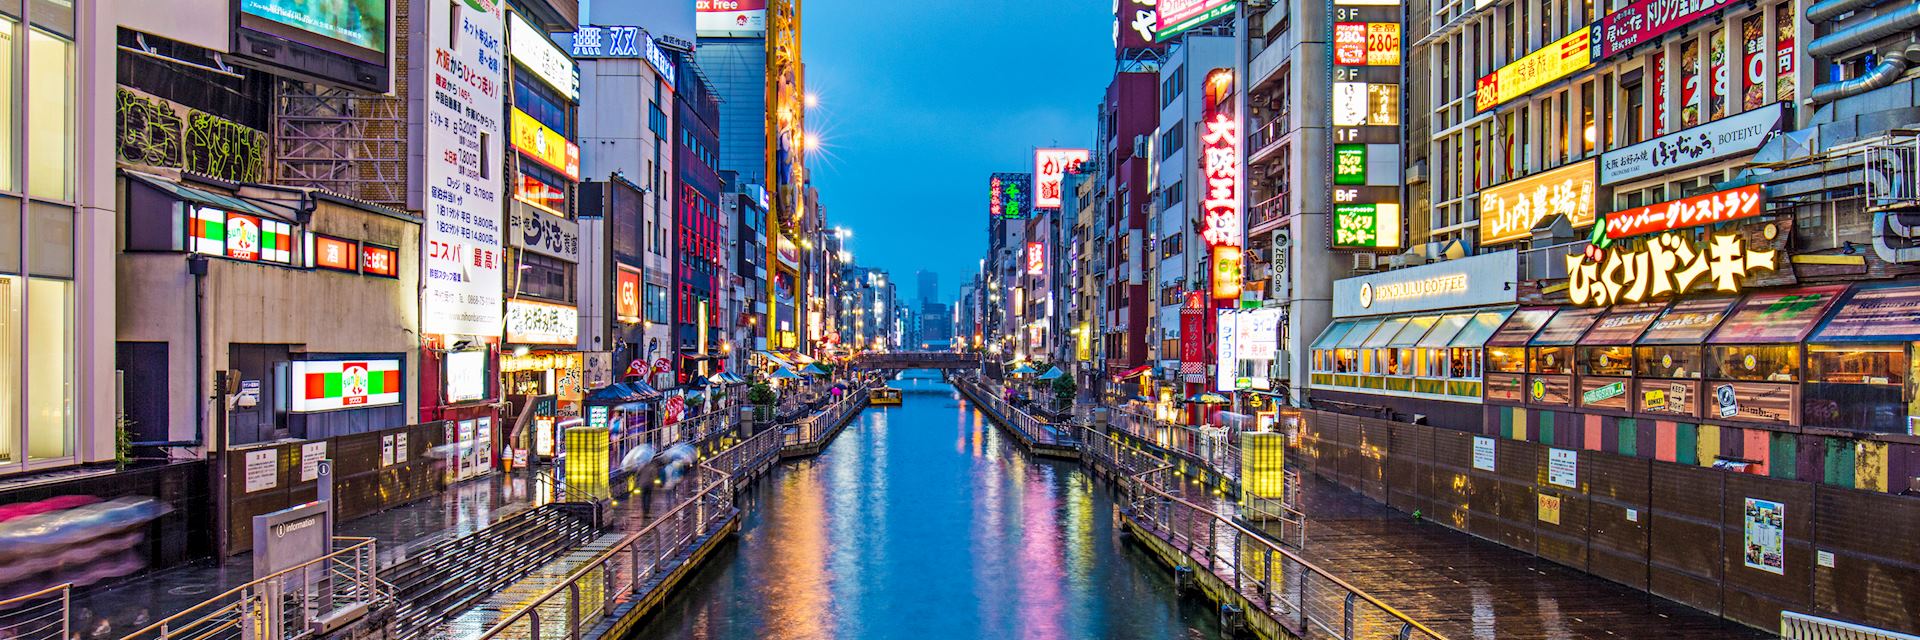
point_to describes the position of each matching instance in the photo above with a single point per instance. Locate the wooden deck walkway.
(1466, 587)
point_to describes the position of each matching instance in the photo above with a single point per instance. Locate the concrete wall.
(317, 311)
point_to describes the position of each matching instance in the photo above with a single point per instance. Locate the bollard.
(1182, 579)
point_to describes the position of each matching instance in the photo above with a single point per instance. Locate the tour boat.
(884, 396)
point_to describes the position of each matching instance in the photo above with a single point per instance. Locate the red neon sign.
(1220, 208)
(1700, 210)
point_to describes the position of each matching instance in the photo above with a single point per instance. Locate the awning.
(1387, 329)
(776, 359)
(1687, 321)
(1415, 329)
(1136, 371)
(203, 196)
(1623, 324)
(622, 393)
(786, 374)
(1444, 330)
(1874, 313)
(1332, 334)
(1777, 317)
(1480, 329)
(1520, 327)
(1052, 373)
(1361, 329)
(1566, 327)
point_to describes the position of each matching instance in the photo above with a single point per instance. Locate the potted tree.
(1064, 389)
(762, 397)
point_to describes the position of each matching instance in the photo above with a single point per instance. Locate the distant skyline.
(918, 102)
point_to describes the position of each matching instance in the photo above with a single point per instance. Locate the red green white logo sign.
(327, 385)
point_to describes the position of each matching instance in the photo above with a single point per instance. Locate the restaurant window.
(1507, 359)
(544, 277)
(1754, 363)
(1606, 361)
(1860, 364)
(1678, 363)
(1550, 360)
(1858, 387)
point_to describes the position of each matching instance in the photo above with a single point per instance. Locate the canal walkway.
(1454, 584)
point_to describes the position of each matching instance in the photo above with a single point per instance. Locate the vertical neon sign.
(1220, 208)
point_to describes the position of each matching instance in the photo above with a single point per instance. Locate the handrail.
(54, 623)
(1139, 480)
(600, 568)
(361, 549)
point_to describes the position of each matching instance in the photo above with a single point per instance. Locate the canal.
(924, 521)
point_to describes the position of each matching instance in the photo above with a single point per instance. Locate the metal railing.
(1309, 600)
(41, 615)
(1801, 626)
(1891, 171)
(626, 571)
(740, 461)
(1038, 431)
(808, 430)
(284, 605)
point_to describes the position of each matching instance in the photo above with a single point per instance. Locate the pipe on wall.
(1902, 18)
(1891, 66)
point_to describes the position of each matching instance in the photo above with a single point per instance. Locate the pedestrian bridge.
(918, 360)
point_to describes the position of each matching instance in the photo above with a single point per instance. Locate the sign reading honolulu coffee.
(1478, 281)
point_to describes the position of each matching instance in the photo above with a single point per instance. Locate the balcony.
(1268, 213)
(1263, 140)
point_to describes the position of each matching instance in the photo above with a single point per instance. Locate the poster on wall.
(463, 197)
(310, 456)
(386, 451)
(262, 469)
(1765, 535)
(1563, 468)
(1483, 453)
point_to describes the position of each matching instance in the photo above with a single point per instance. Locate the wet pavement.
(925, 521)
(1469, 588)
(128, 606)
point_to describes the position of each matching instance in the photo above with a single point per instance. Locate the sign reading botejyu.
(1705, 143)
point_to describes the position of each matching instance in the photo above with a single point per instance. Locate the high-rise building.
(929, 282)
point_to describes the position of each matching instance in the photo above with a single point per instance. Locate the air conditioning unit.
(1366, 262)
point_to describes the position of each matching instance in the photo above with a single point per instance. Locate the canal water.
(926, 522)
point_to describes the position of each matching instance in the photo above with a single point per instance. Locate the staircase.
(455, 575)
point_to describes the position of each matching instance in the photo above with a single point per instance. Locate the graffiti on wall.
(153, 132)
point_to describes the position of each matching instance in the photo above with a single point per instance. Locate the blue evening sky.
(919, 101)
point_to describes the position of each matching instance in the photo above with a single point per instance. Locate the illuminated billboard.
(730, 18)
(530, 47)
(1366, 226)
(545, 145)
(1549, 63)
(1177, 16)
(327, 385)
(463, 270)
(1010, 196)
(1645, 20)
(1220, 215)
(1133, 24)
(1708, 208)
(360, 24)
(1036, 258)
(342, 42)
(1050, 169)
(1510, 210)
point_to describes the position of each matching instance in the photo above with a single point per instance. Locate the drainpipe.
(1891, 66)
(1900, 19)
(1826, 9)
(1884, 224)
